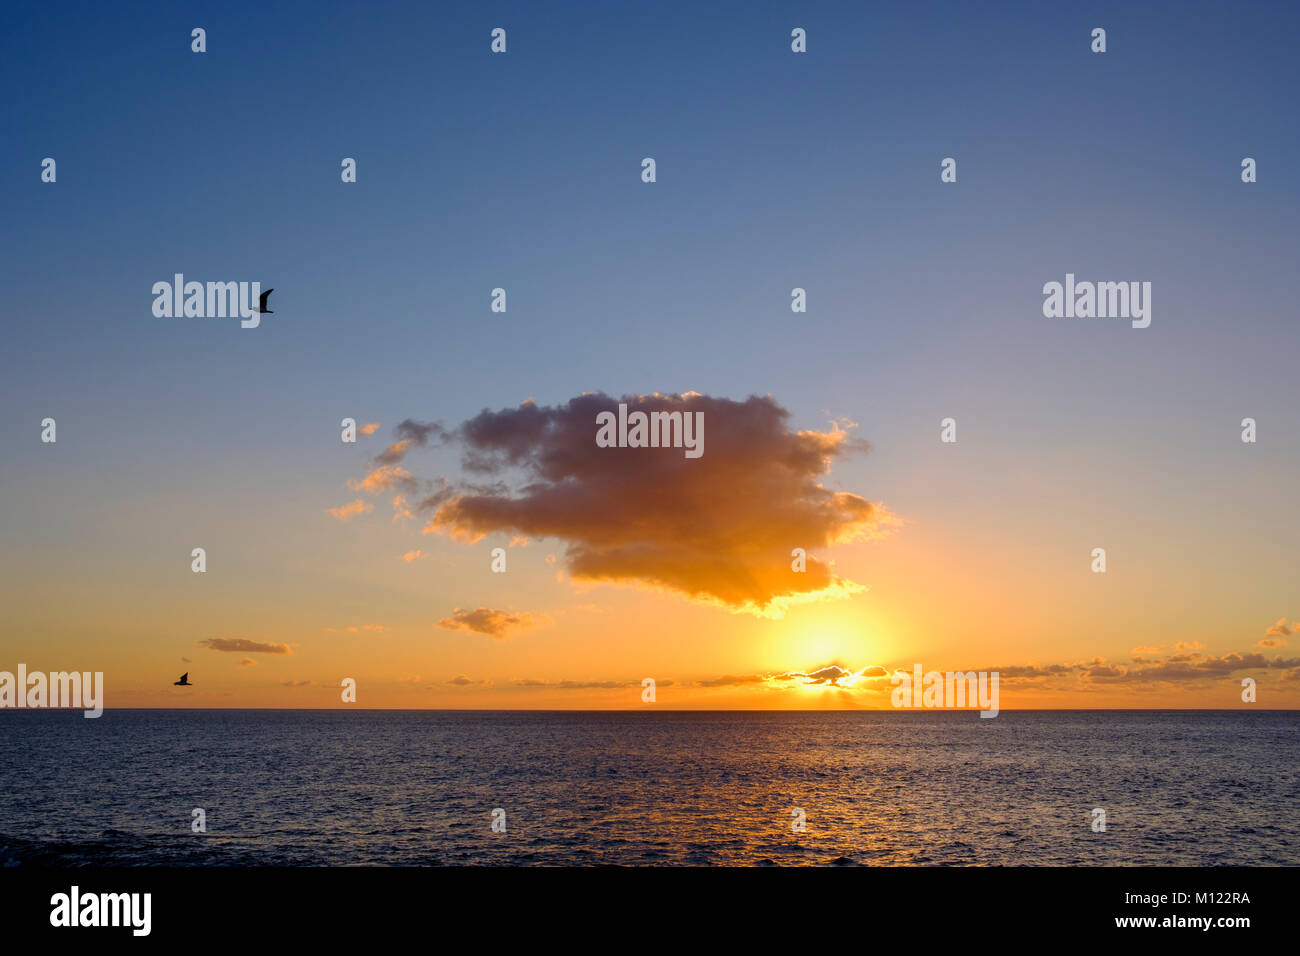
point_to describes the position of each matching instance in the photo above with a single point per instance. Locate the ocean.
(344, 788)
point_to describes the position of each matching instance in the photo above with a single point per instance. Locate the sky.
(774, 170)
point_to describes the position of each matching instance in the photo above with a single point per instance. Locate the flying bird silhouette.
(184, 681)
(261, 305)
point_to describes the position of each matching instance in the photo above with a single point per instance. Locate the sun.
(814, 651)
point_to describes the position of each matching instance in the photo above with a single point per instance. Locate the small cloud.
(357, 629)
(416, 555)
(1279, 629)
(242, 645)
(297, 683)
(1104, 672)
(1272, 642)
(1189, 646)
(584, 684)
(186, 660)
(486, 620)
(350, 510)
(1035, 672)
(420, 433)
(393, 453)
(248, 662)
(369, 429)
(731, 680)
(460, 680)
(383, 478)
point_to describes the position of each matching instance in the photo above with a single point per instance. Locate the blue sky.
(774, 170)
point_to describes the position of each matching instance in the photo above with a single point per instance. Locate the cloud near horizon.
(1182, 667)
(585, 684)
(832, 675)
(720, 528)
(874, 679)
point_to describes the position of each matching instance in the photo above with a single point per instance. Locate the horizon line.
(697, 710)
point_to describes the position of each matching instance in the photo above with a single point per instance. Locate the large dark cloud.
(719, 527)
